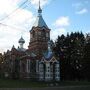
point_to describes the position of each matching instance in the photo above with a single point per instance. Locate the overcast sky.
(61, 16)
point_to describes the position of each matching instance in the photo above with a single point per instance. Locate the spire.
(39, 9)
(39, 20)
(13, 46)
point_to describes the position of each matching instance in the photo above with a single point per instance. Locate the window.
(51, 75)
(41, 70)
(43, 33)
(28, 65)
(47, 75)
(56, 70)
(51, 70)
(23, 67)
(47, 35)
(39, 33)
(57, 75)
(41, 75)
(33, 33)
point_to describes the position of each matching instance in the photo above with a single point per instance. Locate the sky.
(61, 16)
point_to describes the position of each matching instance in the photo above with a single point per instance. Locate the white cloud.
(7, 37)
(82, 11)
(42, 2)
(77, 5)
(7, 6)
(56, 32)
(22, 18)
(10, 37)
(60, 25)
(15, 25)
(62, 21)
(81, 7)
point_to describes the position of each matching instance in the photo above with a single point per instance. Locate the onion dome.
(13, 46)
(21, 40)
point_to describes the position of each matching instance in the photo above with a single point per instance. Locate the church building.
(38, 61)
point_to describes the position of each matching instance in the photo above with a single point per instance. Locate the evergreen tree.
(86, 59)
(69, 50)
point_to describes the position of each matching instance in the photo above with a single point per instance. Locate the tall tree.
(86, 59)
(69, 50)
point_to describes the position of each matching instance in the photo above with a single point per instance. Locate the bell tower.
(39, 35)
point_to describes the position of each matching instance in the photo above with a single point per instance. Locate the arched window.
(39, 33)
(23, 67)
(47, 35)
(33, 33)
(44, 33)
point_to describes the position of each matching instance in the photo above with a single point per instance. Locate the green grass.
(6, 83)
(74, 83)
(9, 83)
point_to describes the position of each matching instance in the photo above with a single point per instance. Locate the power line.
(11, 26)
(11, 14)
(14, 10)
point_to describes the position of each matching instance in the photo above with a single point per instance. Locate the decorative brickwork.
(39, 37)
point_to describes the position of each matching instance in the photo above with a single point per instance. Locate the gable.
(53, 59)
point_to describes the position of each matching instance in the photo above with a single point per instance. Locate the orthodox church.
(38, 61)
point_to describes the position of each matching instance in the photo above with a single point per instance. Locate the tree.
(69, 50)
(86, 59)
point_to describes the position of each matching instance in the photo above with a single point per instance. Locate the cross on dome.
(39, 10)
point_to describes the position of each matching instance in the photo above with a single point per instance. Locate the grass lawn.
(74, 83)
(8, 83)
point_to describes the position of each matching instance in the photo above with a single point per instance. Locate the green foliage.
(73, 51)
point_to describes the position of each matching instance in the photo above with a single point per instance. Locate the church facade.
(38, 61)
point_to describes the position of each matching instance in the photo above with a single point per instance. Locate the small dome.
(13, 46)
(21, 40)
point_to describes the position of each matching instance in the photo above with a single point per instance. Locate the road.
(52, 88)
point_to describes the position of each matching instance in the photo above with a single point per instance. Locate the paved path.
(52, 88)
